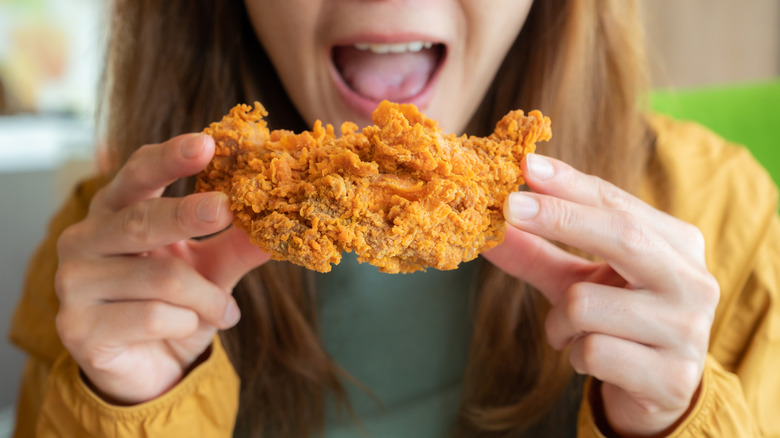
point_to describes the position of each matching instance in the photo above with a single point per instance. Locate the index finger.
(626, 243)
(153, 167)
(552, 177)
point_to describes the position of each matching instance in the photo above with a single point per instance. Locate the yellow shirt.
(716, 186)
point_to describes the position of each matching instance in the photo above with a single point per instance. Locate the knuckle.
(171, 288)
(65, 241)
(590, 354)
(62, 325)
(69, 328)
(703, 290)
(101, 196)
(632, 234)
(609, 195)
(563, 216)
(685, 380)
(694, 237)
(212, 304)
(170, 276)
(551, 331)
(710, 291)
(66, 280)
(96, 362)
(576, 303)
(136, 223)
(62, 282)
(134, 168)
(182, 216)
(105, 197)
(219, 308)
(649, 408)
(70, 239)
(153, 320)
(694, 330)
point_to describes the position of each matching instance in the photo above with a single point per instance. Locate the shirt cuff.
(721, 409)
(204, 403)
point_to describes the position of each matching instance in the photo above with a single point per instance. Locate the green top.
(406, 338)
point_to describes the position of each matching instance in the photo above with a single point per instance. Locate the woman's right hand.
(140, 301)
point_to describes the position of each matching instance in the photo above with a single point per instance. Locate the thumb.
(225, 258)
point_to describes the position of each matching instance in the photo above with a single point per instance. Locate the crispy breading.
(401, 194)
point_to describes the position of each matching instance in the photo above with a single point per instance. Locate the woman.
(139, 301)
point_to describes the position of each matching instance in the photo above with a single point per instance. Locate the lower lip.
(365, 107)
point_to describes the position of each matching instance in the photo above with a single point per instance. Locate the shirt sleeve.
(720, 411)
(740, 394)
(204, 403)
(54, 401)
(729, 196)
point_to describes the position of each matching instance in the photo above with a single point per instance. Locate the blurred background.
(50, 61)
(705, 43)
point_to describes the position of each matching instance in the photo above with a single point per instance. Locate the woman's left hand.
(639, 319)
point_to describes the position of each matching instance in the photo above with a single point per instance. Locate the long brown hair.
(175, 66)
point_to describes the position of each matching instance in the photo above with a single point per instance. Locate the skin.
(639, 321)
(298, 35)
(141, 301)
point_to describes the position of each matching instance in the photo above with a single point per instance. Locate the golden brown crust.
(401, 194)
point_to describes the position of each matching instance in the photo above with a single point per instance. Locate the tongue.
(392, 76)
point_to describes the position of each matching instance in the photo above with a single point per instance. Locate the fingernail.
(192, 146)
(232, 314)
(540, 167)
(521, 206)
(210, 207)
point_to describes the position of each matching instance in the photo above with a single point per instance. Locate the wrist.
(118, 400)
(601, 420)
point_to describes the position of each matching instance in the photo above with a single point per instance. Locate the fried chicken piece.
(401, 194)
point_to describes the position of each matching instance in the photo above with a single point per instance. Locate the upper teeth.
(414, 46)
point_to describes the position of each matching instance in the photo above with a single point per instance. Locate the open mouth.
(399, 72)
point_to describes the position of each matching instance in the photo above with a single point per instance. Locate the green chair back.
(748, 114)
